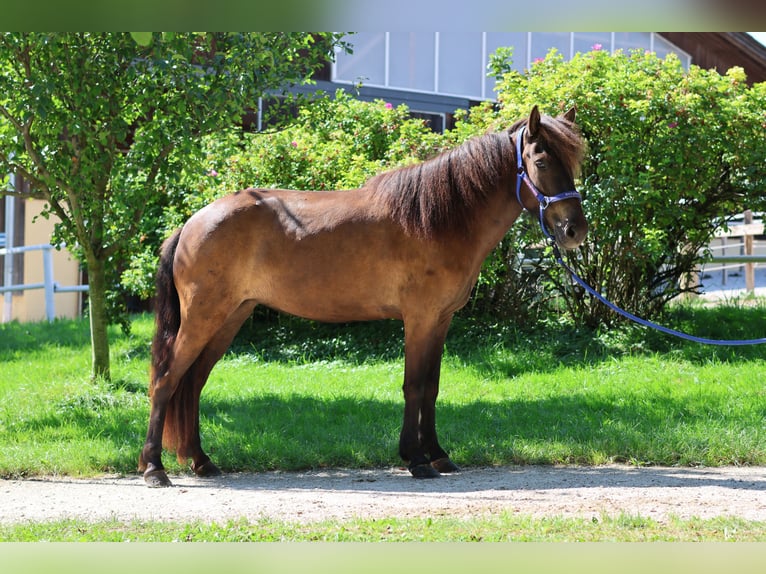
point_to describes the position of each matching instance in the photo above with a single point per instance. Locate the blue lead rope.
(644, 322)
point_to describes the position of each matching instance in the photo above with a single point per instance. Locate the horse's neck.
(493, 220)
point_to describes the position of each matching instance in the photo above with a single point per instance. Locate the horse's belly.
(338, 314)
(332, 297)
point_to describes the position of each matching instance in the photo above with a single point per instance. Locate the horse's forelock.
(565, 143)
(563, 140)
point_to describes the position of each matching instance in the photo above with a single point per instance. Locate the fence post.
(749, 267)
(50, 308)
(8, 259)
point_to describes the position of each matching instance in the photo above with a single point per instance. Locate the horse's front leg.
(418, 443)
(440, 460)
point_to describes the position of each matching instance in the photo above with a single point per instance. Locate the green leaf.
(142, 38)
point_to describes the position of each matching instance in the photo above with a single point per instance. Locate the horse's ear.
(570, 115)
(534, 122)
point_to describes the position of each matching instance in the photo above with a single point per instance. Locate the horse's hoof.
(445, 465)
(424, 471)
(206, 470)
(157, 479)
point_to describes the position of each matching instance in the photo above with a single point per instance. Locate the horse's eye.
(540, 164)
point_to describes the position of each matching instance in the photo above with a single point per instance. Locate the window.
(542, 42)
(455, 63)
(411, 61)
(588, 41)
(437, 122)
(628, 41)
(460, 64)
(495, 40)
(368, 62)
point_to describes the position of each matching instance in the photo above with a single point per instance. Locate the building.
(436, 73)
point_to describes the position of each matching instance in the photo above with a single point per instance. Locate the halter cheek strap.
(543, 200)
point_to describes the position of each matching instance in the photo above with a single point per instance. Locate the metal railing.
(49, 285)
(747, 257)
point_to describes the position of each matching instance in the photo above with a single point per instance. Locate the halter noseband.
(543, 200)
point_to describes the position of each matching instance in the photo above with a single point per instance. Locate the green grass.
(296, 395)
(505, 527)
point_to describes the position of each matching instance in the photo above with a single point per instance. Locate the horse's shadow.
(394, 481)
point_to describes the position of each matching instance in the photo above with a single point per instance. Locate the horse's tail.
(167, 309)
(167, 323)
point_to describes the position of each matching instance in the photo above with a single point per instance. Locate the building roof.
(723, 50)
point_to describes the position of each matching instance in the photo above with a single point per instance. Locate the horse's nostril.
(570, 231)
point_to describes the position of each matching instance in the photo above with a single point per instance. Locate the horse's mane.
(440, 194)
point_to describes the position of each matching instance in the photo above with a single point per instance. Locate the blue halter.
(543, 200)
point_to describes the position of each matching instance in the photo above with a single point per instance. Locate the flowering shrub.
(671, 156)
(334, 143)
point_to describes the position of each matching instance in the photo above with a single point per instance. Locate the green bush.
(672, 155)
(335, 143)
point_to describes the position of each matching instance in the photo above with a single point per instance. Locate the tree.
(100, 123)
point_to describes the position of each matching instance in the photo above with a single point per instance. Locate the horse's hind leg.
(174, 415)
(190, 445)
(184, 352)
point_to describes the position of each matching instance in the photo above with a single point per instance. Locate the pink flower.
(212, 173)
(294, 143)
(596, 47)
(538, 60)
(672, 125)
(389, 106)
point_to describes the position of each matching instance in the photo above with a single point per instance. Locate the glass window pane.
(662, 47)
(368, 62)
(461, 70)
(411, 60)
(496, 40)
(627, 41)
(542, 42)
(588, 41)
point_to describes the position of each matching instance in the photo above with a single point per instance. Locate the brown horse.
(407, 245)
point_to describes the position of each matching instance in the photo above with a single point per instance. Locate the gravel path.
(655, 492)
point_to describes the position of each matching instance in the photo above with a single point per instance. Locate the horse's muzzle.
(570, 234)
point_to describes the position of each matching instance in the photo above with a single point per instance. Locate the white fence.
(48, 284)
(751, 251)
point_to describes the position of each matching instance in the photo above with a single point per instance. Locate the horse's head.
(549, 154)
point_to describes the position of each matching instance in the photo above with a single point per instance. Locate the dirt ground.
(654, 492)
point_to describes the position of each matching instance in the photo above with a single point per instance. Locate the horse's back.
(321, 255)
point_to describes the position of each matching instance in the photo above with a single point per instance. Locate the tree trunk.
(99, 338)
